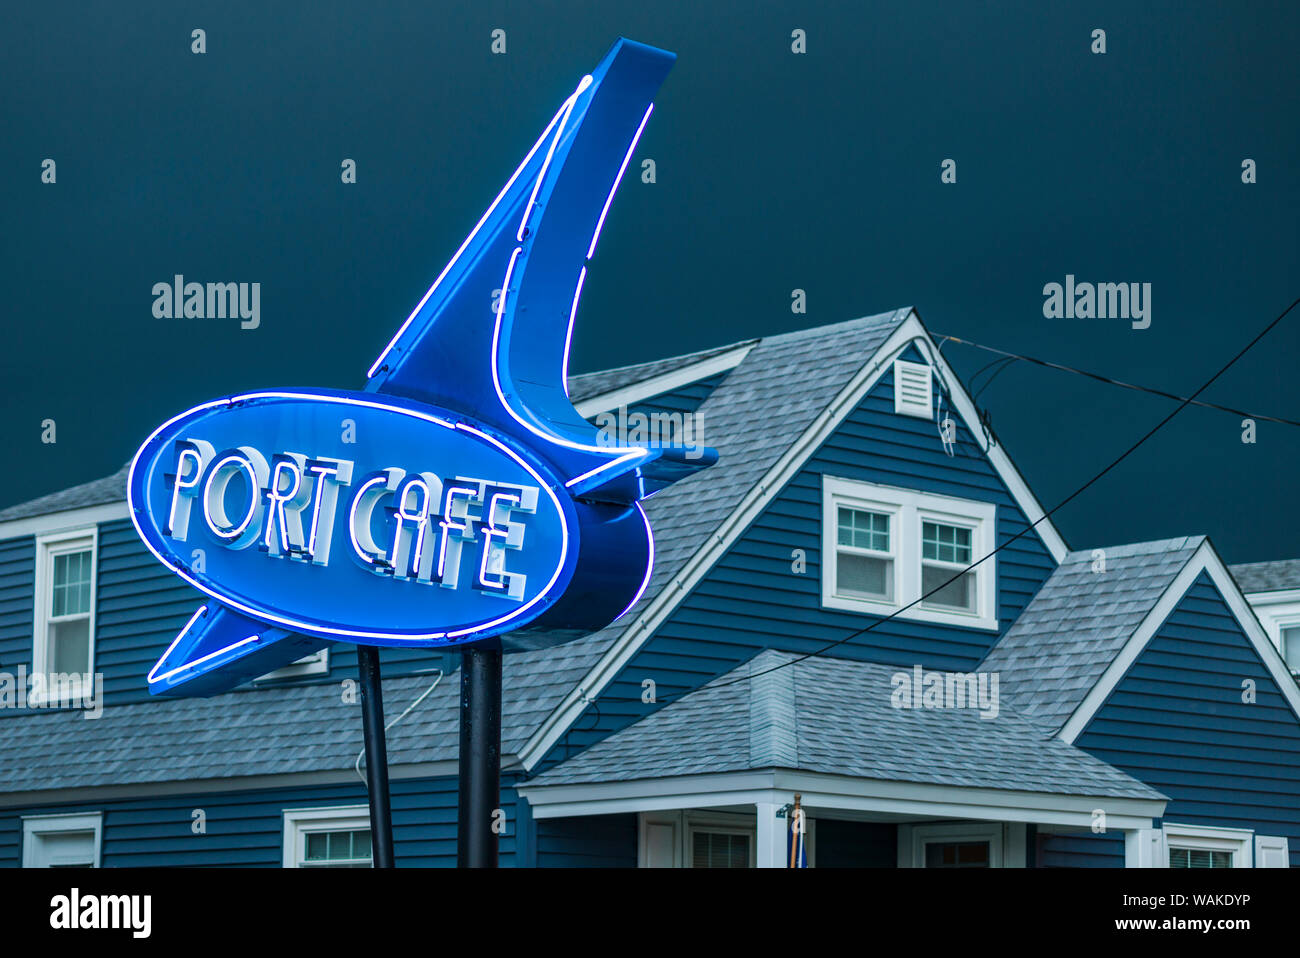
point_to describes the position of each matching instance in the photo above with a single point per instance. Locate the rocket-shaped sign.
(459, 498)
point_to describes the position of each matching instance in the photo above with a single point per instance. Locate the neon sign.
(467, 500)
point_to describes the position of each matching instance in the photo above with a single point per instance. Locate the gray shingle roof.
(96, 493)
(1074, 627)
(262, 731)
(1267, 576)
(587, 385)
(753, 417)
(836, 716)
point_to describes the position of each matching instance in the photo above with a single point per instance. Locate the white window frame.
(35, 827)
(912, 840)
(301, 822)
(1238, 841)
(317, 663)
(909, 509)
(1276, 610)
(47, 547)
(695, 824)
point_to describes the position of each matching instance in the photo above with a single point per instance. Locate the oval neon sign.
(350, 517)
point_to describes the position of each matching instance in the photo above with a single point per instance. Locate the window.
(897, 547)
(719, 850)
(945, 551)
(912, 390)
(864, 563)
(1204, 846)
(954, 845)
(65, 603)
(957, 855)
(337, 837)
(61, 841)
(1290, 647)
(1199, 858)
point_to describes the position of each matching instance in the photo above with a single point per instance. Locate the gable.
(753, 599)
(1177, 721)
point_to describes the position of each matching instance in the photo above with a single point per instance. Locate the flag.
(796, 852)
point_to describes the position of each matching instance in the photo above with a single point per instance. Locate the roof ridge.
(1144, 547)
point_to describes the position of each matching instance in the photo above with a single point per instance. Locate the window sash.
(871, 532)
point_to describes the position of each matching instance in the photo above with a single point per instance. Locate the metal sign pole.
(372, 718)
(480, 757)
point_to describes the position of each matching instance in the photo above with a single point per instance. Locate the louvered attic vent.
(912, 389)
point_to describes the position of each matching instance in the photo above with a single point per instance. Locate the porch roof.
(836, 717)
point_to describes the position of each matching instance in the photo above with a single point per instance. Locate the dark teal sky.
(775, 171)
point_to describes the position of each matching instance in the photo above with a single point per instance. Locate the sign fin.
(220, 648)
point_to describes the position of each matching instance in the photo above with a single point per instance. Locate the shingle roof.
(587, 385)
(836, 716)
(1054, 653)
(261, 731)
(1267, 576)
(753, 417)
(96, 493)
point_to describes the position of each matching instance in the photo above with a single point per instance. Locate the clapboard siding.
(1177, 722)
(753, 599)
(246, 829)
(17, 603)
(595, 841)
(1081, 851)
(140, 608)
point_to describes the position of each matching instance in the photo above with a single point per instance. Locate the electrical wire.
(361, 754)
(1012, 357)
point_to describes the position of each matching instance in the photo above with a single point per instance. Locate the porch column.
(771, 836)
(1145, 848)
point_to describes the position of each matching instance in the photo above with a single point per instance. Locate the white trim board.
(52, 522)
(1204, 559)
(664, 382)
(823, 793)
(36, 826)
(772, 484)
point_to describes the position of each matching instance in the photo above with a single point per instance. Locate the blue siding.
(17, 603)
(140, 607)
(1081, 851)
(596, 841)
(1177, 722)
(246, 829)
(752, 600)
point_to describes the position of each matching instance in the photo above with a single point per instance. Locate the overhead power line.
(1010, 358)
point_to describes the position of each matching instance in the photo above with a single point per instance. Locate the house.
(1116, 706)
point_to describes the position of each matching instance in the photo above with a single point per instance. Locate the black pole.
(480, 757)
(372, 718)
